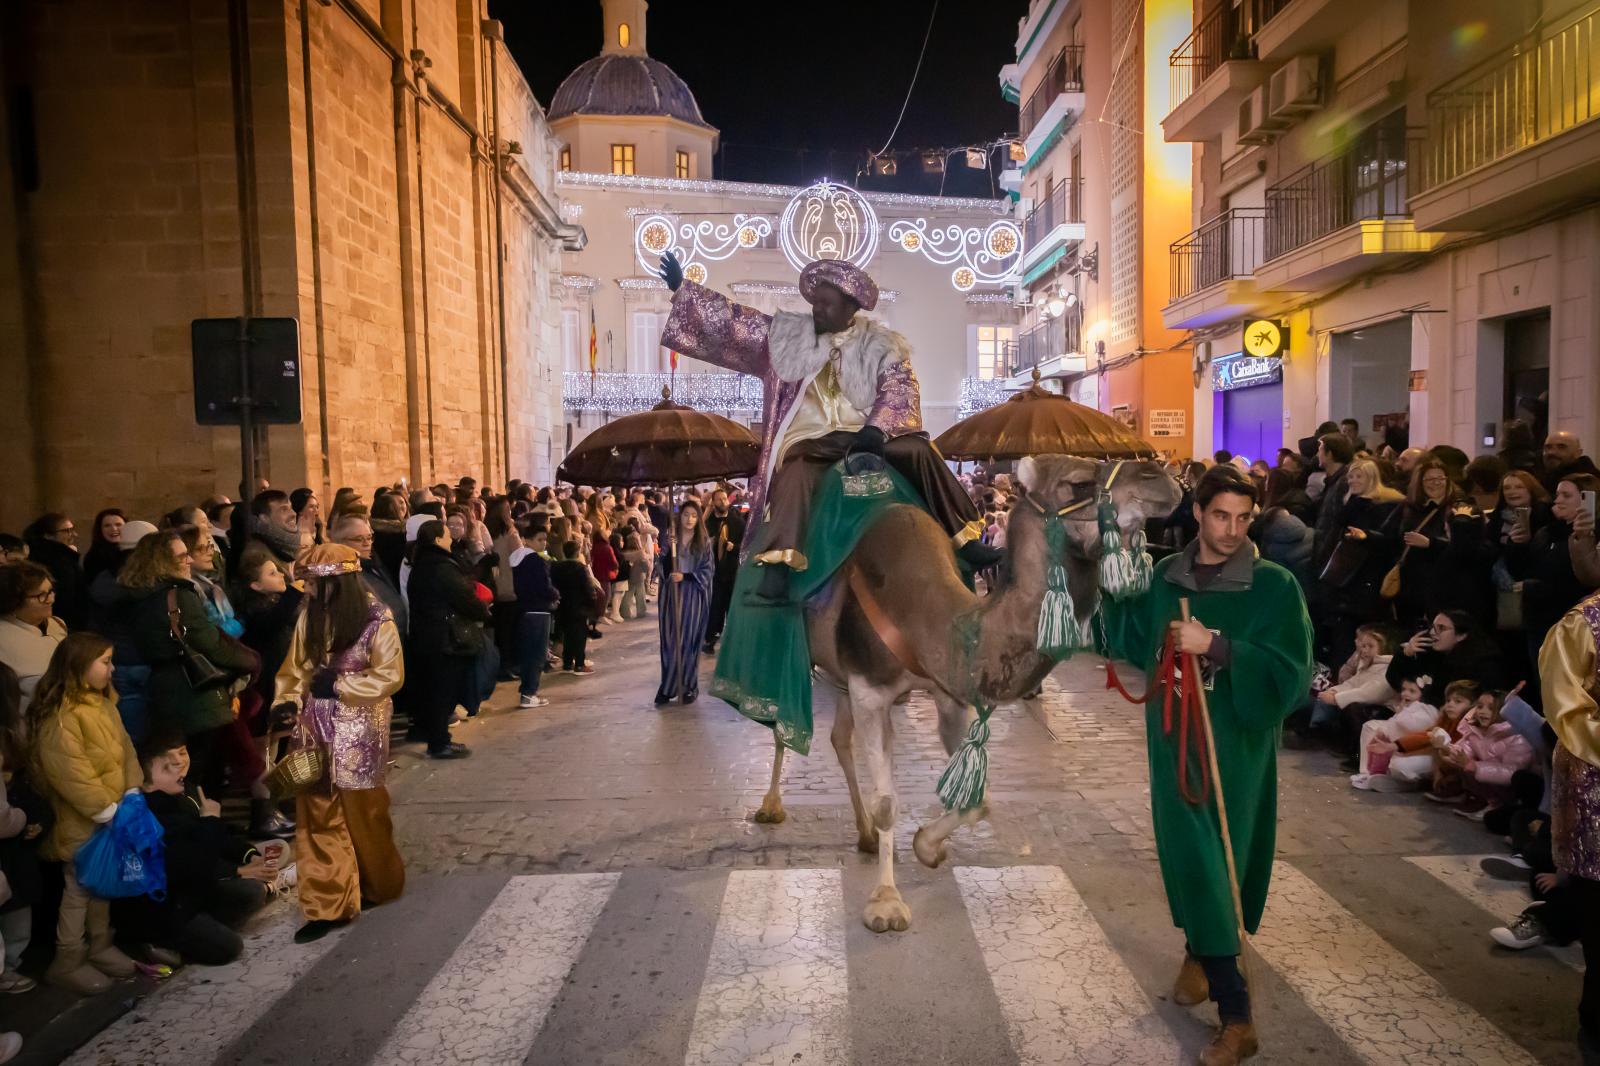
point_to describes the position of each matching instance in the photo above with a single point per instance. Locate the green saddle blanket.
(764, 667)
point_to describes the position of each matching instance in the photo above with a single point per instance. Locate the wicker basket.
(299, 771)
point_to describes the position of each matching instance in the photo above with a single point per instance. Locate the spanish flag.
(594, 345)
(673, 353)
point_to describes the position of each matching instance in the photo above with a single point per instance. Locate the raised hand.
(671, 271)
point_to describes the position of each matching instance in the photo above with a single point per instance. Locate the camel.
(907, 567)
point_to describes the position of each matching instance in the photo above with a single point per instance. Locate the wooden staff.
(1192, 666)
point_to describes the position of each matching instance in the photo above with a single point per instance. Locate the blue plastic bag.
(125, 857)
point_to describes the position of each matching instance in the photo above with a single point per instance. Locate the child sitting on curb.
(1488, 752)
(215, 880)
(1414, 716)
(1413, 756)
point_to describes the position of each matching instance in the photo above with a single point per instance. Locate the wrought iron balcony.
(1046, 341)
(1220, 36)
(1062, 204)
(1064, 75)
(1225, 248)
(1525, 95)
(1367, 181)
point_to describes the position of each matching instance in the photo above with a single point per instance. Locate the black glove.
(870, 439)
(322, 685)
(671, 271)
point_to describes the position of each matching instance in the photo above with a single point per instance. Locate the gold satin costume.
(344, 841)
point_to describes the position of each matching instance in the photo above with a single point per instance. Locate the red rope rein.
(1189, 722)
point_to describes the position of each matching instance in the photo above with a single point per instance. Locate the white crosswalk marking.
(775, 989)
(1064, 991)
(1503, 899)
(486, 1005)
(204, 1008)
(1382, 1005)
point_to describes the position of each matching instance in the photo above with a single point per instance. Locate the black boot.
(266, 821)
(774, 588)
(980, 556)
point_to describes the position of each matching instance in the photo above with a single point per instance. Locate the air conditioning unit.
(1296, 87)
(1256, 126)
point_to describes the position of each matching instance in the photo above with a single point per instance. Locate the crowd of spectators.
(99, 695)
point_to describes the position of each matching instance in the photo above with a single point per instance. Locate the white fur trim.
(866, 350)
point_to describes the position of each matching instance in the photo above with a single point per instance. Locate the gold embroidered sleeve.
(385, 672)
(293, 679)
(1567, 678)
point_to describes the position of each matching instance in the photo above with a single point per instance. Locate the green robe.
(1258, 607)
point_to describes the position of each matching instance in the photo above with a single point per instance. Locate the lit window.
(995, 343)
(624, 35)
(681, 168)
(622, 159)
(566, 157)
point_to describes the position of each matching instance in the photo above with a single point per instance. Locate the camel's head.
(1139, 490)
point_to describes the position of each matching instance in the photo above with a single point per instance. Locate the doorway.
(1249, 421)
(1527, 371)
(1369, 372)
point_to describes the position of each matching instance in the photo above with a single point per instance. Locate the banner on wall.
(1168, 423)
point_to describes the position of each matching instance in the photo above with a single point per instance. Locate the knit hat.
(327, 560)
(133, 532)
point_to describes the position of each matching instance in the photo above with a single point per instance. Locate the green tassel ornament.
(1060, 632)
(962, 785)
(1124, 571)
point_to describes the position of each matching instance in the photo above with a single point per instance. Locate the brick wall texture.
(212, 158)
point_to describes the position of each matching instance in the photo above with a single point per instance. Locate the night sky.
(805, 91)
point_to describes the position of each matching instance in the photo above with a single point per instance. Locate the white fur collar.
(867, 349)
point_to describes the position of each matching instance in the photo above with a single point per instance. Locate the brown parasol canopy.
(1038, 422)
(669, 443)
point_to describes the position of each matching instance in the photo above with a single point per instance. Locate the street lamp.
(1057, 306)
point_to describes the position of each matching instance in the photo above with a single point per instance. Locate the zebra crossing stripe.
(776, 989)
(1503, 899)
(486, 1005)
(1384, 1007)
(1064, 991)
(196, 1014)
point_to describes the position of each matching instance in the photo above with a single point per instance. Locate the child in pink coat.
(1485, 756)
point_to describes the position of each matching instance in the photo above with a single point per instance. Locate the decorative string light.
(981, 255)
(828, 221)
(756, 190)
(578, 282)
(977, 394)
(695, 242)
(623, 393)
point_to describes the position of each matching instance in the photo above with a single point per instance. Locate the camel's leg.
(771, 811)
(928, 841)
(885, 909)
(842, 736)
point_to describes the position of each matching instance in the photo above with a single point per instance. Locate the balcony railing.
(1529, 93)
(1263, 11)
(1064, 75)
(1062, 204)
(1227, 247)
(1218, 37)
(1050, 338)
(1366, 181)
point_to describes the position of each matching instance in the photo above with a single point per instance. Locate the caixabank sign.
(1261, 362)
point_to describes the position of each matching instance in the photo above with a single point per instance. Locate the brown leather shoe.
(1191, 987)
(1233, 1043)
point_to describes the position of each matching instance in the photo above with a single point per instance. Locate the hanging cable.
(912, 87)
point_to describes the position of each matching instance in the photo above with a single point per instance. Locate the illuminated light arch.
(694, 243)
(982, 255)
(828, 221)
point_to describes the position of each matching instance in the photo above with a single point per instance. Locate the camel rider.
(834, 382)
(1249, 629)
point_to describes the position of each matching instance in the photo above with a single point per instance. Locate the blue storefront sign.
(1241, 370)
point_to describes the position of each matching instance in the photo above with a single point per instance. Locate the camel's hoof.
(868, 841)
(928, 853)
(886, 911)
(771, 812)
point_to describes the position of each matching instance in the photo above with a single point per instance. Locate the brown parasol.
(668, 444)
(1038, 422)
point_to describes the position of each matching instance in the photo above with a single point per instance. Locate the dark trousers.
(1588, 905)
(1228, 989)
(209, 938)
(444, 679)
(574, 640)
(722, 593)
(795, 483)
(208, 759)
(533, 644)
(507, 620)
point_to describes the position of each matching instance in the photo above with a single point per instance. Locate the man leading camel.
(1249, 630)
(834, 382)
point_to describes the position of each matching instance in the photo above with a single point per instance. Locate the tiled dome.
(625, 85)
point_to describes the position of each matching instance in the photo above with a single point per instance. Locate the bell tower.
(624, 27)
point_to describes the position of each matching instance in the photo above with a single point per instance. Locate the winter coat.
(1472, 659)
(602, 560)
(1364, 684)
(1380, 521)
(530, 573)
(1498, 751)
(389, 545)
(27, 650)
(268, 628)
(439, 590)
(1329, 529)
(1550, 587)
(200, 853)
(383, 586)
(172, 699)
(86, 762)
(1285, 540)
(1452, 571)
(572, 584)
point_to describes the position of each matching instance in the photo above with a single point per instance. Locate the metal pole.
(247, 425)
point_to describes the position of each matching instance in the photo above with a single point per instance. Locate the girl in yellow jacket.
(86, 763)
